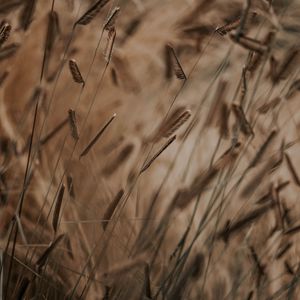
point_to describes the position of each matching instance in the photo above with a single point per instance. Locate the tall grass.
(149, 149)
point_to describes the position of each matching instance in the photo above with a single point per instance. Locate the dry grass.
(189, 188)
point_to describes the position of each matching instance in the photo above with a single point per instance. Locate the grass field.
(149, 149)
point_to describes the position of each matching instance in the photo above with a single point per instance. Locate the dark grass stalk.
(49, 41)
(183, 257)
(55, 83)
(183, 86)
(96, 138)
(182, 241)
(157, 154)
(181, 260)
(22, 197)
(53, 132)
(218, 219)
(91, 13)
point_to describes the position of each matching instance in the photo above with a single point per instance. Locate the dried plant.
(192, 192)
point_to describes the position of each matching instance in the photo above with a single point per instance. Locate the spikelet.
(52, 32)
(45, 255)
(74, 69)
(4, 33)
(262, 150)
(110, 23)
(58, 207)
(111, 208)
(110, 44)
(184, 196)
(52, 133)
(286, 215)
(294, 87)
(158, 153)
(292, 230)
(119, 160)
(176, 119)
(289, 268)
(70, 186)
(259, 266)
(267, 197)
(8, 51)
(241, 118)
(280, 157)
(91, 13)
(244, 221)
(168, 63)
(96, 138)
(223, 30)
(276, 200)
(254, 182)
(292, 169)
(73, 124)
(283, 249)
(178, 70)
(114, 76)
(254, 61)
(176, 124)
(263, 109)
(27, 13)
(224, 120)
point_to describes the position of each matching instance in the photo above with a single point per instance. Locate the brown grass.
(122, 208)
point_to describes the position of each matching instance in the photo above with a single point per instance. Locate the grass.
(149, 149)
